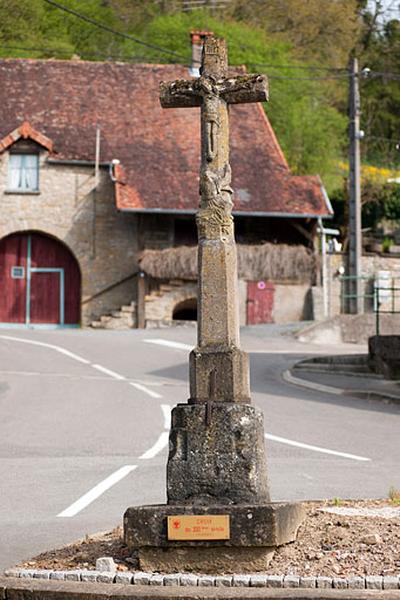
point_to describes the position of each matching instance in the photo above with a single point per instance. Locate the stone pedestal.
(255, 532)
(216, 466)
(216, 455)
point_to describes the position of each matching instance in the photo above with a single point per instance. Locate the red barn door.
(40, 281)
(260, 302)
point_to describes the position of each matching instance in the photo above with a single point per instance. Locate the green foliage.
(306, 108)
(380, 201)
(310, 130)
(313, 27)
(48, 32)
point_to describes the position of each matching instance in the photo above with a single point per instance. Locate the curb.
(17, 589)
(140, 578)
(288, 377)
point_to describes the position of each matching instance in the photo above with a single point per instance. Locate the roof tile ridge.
(80, 61)
(25, 131)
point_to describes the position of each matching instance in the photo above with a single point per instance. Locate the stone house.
(94, 174)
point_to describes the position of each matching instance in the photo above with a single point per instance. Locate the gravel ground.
(327, 544)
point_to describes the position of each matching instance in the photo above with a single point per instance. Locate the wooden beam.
(309, 236)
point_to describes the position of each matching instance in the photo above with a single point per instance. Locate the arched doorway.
(40, 281)
(185, 310)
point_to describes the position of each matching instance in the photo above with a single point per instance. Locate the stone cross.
(216, 464)
(218, 369)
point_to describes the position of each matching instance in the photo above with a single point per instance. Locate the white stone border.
(370, 582)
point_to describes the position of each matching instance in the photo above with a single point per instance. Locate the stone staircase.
(124, 318)
(159, 306)
(160, 303)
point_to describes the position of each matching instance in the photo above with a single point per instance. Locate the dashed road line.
(97, 491)
(160, 444)
(109, 372)
(281, 440)
(145, 389)
(169, 343)
(163, 438)
(45, 345)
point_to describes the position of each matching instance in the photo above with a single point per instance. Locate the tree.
(322, 31)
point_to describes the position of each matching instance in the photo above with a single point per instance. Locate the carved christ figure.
(213, 91)
(218, 315)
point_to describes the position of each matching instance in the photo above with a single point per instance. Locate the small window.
(23, 172)
(17, 272)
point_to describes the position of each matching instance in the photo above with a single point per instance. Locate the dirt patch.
(327, 544)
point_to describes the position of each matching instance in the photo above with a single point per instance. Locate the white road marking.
(162, 441)
(160, 444)
(166, 408)
(317, 387)
(145, 389)
(97, 491)
(281, 440)
(169, 343)
(45, 345)
(112, 374)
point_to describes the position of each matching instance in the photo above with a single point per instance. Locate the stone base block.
(217, 455)
(255, 532)
(213, 561)
(231, 371)
(384, 355)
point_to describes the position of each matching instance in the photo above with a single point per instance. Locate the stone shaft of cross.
(216, 363)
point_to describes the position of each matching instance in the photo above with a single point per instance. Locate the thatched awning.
(276, 262)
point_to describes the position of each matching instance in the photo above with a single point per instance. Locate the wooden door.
(40, 281)
(13, 263)
(46, 305)
(260, 302)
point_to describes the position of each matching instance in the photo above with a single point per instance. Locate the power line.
(118, 57)
(109, 29)
(306, 78)
(388, 75)
(305, 67)
(381, 138)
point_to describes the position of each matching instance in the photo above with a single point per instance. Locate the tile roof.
(158, 150)
(25, 131)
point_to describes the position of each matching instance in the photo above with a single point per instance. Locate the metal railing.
(346, 296)
(394, 293)
(381, 295)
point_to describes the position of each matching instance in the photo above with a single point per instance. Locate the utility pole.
(355, 239)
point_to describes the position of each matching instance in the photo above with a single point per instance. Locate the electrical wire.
(388, 75)
(110, 29)
(381, 138)
(302, 67)
(305, 78)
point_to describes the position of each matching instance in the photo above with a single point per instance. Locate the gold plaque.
(198, 527)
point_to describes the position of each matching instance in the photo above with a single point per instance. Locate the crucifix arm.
(244, 89)
(234, 90)
(179, 94)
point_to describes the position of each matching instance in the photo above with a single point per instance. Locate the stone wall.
(291, 303)
(69, 208)
(160, 305)
(371, 265)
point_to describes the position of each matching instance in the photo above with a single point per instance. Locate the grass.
(394, 495)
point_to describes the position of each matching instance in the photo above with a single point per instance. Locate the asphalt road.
(84, 429)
